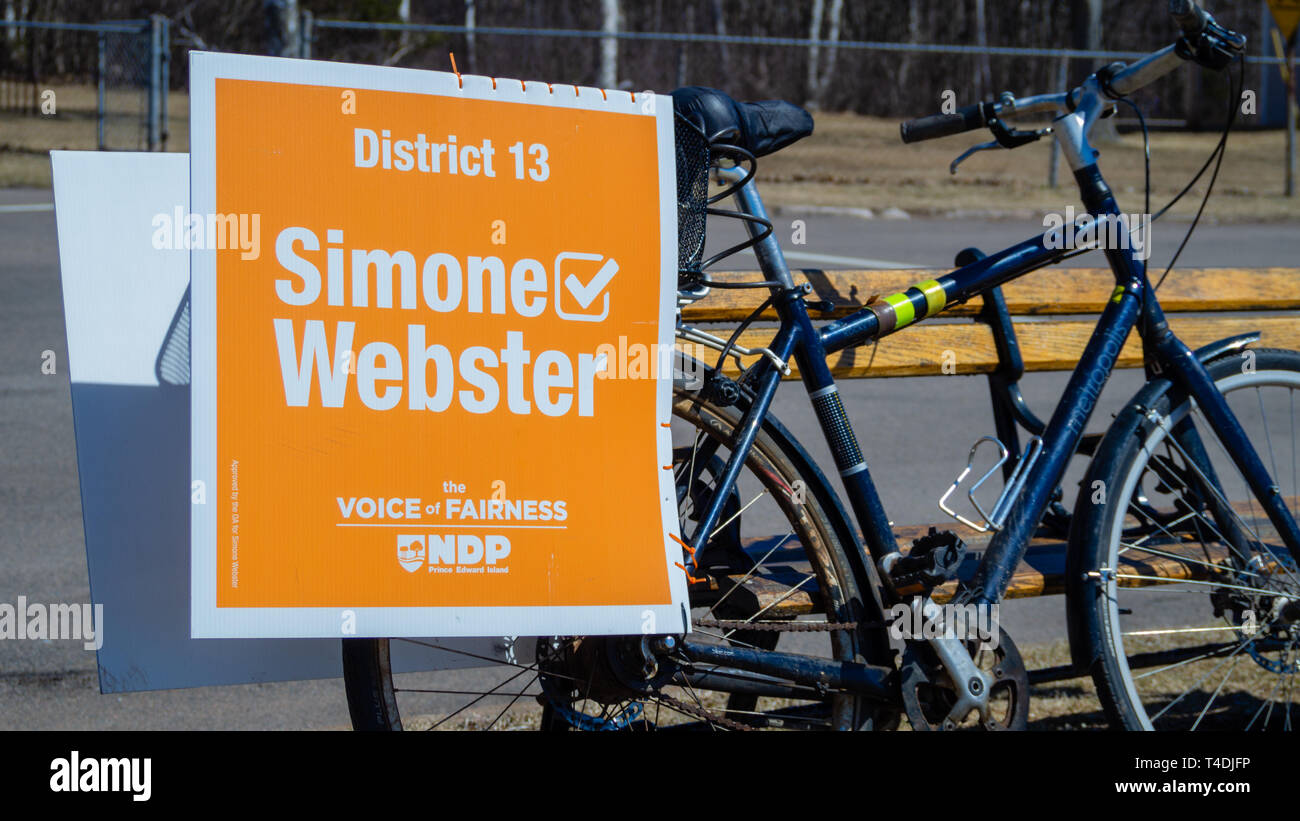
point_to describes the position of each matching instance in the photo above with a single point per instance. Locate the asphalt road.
(53, 684)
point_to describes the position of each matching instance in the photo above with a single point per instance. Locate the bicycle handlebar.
(1204, 41)
(966, 118)
(1189, 16)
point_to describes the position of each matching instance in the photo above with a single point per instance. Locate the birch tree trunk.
(913, 36)
(814, 51)
(983, 74)
(837, 15)
(720, 29)
(1085, 18)
(819, 75)
(609, 45)
(470, 45)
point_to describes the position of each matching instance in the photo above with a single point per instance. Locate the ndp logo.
(453, 553)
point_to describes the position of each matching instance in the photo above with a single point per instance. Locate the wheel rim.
(1204, 670)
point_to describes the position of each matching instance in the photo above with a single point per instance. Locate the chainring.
(928, 697)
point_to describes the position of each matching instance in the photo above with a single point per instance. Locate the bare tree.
(983, 74)
(913, 36)
(609, 45)
(814, 34)
(1085, 34)
(720, 29)
(819, 77)
(837, 14)
(470, 44)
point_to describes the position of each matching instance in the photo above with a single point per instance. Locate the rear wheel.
(1189, 604)
(777, 576)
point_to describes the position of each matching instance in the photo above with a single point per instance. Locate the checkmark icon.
(585, 295)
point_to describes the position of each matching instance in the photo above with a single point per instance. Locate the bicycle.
(826, 590)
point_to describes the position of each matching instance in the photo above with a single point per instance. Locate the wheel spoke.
(1199, 682)
(1215, 695)
(750, 572)
(1255, 538)
(597, 682)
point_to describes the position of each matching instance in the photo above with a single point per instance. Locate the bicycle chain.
(701, 713)
(783, 626)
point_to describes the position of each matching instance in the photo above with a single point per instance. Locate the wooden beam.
(967, 347)
(1050, 291)
(1041, 573)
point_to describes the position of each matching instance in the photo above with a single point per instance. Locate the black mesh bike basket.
(692, 196)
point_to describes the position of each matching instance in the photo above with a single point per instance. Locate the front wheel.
(1186, 595)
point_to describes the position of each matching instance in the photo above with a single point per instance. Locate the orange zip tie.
(689, 577)
(576, 93)
(684, 545)
(460, 82)
(603, 94)
(494, 84)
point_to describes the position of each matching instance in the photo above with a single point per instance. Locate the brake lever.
(952, 167)
(1003, 138)
(1215, 47)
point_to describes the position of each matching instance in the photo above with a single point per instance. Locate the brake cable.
(1216, 157)
(1234, 96)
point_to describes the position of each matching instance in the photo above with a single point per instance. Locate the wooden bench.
(1231, 302)
(1053, 314)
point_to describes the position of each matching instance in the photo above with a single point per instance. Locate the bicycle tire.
(1122, 634)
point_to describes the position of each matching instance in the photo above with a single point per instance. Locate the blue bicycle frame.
(1133, 303)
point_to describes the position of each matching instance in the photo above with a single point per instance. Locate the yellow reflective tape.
(904, 312)
(1118, 293)
(935, 298)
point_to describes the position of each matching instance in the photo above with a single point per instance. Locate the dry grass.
(1070, 705)
(859, 162)
(26, 140)
(851, 161)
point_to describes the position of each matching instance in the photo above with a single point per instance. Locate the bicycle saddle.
(760, 128)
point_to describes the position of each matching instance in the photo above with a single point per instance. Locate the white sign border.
(209, 621)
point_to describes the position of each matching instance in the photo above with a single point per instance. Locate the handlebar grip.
(1189, 16)
(966, 118)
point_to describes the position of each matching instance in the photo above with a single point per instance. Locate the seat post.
(771, 259)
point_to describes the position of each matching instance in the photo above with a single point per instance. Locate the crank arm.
(970, 684)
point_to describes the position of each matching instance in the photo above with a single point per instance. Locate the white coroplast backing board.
(123, 300)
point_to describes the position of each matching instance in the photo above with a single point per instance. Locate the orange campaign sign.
(407, 417)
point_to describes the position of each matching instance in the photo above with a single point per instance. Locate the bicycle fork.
(1192, 377)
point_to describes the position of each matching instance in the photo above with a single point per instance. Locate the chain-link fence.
(879, 62)
(83, 86)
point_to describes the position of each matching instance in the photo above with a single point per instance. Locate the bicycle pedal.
(933, 560)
